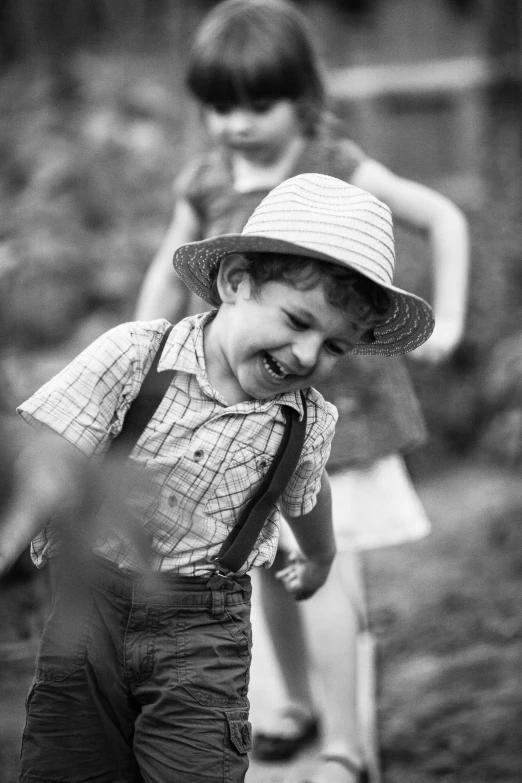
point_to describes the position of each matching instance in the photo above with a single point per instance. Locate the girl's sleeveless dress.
(374, 501)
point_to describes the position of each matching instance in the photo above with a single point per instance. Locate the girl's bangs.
(243, 77)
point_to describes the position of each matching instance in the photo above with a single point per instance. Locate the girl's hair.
(344, 288)
(247, 51)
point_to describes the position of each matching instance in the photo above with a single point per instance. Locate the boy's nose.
(306, 351)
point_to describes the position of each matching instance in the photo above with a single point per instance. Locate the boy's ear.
(232, 271)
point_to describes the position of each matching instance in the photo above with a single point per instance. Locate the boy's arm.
(447, 230)
(163, 294)
(314, 534)
(53, 477)
(47, 478)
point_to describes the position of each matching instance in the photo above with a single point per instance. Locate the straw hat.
(321, 217)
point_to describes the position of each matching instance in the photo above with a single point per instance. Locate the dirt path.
(446, 613)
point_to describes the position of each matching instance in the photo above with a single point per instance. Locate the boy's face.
(280, 338)
(260, 131)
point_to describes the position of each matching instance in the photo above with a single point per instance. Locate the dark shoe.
(276, 747)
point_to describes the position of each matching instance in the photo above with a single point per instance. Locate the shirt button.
(198, 454)
(262, 463)
(172, 500)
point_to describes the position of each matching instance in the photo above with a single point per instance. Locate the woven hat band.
(355, 229)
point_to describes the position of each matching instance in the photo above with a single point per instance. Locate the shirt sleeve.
(300, 495)
(87, 401)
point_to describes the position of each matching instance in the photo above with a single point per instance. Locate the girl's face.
(260, 130)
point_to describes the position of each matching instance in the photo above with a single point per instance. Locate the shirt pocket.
(242, 475)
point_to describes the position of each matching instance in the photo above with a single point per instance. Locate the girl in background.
(258, 81)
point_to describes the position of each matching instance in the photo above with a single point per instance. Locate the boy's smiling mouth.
(273, 368)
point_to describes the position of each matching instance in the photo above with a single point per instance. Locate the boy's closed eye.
(336, 349)
(332, 346)
(297, 323)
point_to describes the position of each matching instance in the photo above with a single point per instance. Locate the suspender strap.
(144, 405)
(242, 538)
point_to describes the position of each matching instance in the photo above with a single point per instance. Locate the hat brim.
(409, 324)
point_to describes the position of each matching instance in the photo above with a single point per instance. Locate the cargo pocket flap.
(240, 730)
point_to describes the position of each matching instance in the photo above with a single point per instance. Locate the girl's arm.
(446, 228)
(163, 294)
(308, 571)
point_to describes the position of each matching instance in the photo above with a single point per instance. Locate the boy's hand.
(302, 577)
(52, 479)
(309, 563)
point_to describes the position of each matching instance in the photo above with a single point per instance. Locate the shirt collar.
(184, 352)
(184, 348)
(293, 399)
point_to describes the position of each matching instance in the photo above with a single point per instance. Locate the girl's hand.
(302, 577)
(445, 338)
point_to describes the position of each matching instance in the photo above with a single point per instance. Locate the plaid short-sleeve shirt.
(206, 458)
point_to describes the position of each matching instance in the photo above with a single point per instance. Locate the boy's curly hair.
(344, 288)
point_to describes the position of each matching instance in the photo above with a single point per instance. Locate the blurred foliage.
(57, 27)
(94, 126)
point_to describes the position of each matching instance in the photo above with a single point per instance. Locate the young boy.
(149, 683)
